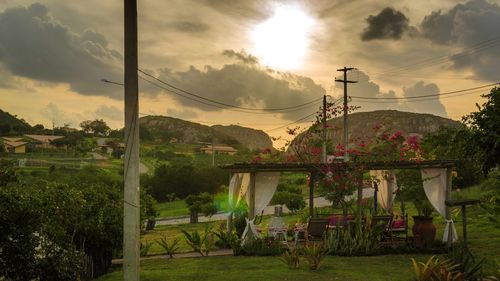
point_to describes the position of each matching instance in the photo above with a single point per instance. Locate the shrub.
(291, 258)
(352, 241)
(436, 270)
(314, 254)
(200, 243)
(170, 248)
(262, 247)
(463, 258)
(144, 249)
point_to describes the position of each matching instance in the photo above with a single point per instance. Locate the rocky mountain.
(12, 125)
(250, 138)
(164, 128)
(361, 124)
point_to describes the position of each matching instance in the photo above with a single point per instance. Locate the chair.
(316, 228)
(384, 222)
(278, 229)
(399, 228)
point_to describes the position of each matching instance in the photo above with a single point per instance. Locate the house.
(209, 149)
(110, 146)
(43, 141)
(14, 146)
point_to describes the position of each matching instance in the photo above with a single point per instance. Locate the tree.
(485, 126)
(97, 127)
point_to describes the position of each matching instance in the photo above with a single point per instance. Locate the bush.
(353, 241)
(262, 247)
(314, 254)
(436, 270)
(201, 243)
(170, 248)
(291, 258)
(202, 202)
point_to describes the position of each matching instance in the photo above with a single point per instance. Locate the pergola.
(315, 169)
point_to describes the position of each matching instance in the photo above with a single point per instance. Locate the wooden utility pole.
(323, 158)
(346, 132)
(131, 200)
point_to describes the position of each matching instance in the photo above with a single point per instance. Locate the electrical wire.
(425, 96)
(226, 104)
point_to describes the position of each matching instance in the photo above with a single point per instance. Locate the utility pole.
(131, 200)
(346, 132)
(323, 158)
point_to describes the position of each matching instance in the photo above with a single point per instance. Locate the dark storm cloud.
(388, 24)
(36, 46)
(190, 26)
(241, 56)
(368, 88)
(246, 86)
(473, 25)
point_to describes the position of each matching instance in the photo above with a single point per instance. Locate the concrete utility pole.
(323, 158)
(131, 200)
(346, 132)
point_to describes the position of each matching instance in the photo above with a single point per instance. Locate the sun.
(282, 41)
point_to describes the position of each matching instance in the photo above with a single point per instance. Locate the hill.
(11, 125)
(361, 124)
(250, 138)
(163, 128)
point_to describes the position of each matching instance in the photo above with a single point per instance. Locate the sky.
(247, 54)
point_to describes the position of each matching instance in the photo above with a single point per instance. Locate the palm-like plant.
(436, 270)
(170, 248)
(314, 254)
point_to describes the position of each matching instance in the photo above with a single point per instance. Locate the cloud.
(190, 26)
(388, 24)
(53, 113)
(109, 113)
(369, 89)
(241, 56)
(245, 86)
(35, 45)
(182, 113)
(472, 26)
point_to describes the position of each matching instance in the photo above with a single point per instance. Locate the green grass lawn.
(172, 209)
(394, 268)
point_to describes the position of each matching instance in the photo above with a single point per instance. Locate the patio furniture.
(399, 229)
(384, 222)
(299, 233)
(278, 229)
(316, 228)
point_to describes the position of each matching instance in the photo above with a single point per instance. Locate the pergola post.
(229, 224)
(447, 208)
(251, 189)
(311, 194)
(360, 198)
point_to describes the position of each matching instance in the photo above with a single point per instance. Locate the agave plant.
(291, 258)
(144, 248)
(170, 248)
(314, 254)
(200, 243)
(436, 270)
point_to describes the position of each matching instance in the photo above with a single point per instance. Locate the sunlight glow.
(282, 40)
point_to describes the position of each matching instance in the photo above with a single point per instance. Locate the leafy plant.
(351, 241)
(225, 239)
(291, 258)
(144, 250)
(262, 247)
(170, 248)
(462, 256)
(200, 243)
(314, 254)
(436, 270)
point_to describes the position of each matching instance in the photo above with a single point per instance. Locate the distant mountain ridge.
(174, 129)
(361, 124)
(12, 125)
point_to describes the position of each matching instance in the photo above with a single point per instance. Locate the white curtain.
(387, 185)
(434, 182)
(237, 188)
(265, 186)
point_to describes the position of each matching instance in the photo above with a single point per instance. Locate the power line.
(222, 107)
(438, 60)
(226, 104)
(425, 96)
(296, 121)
